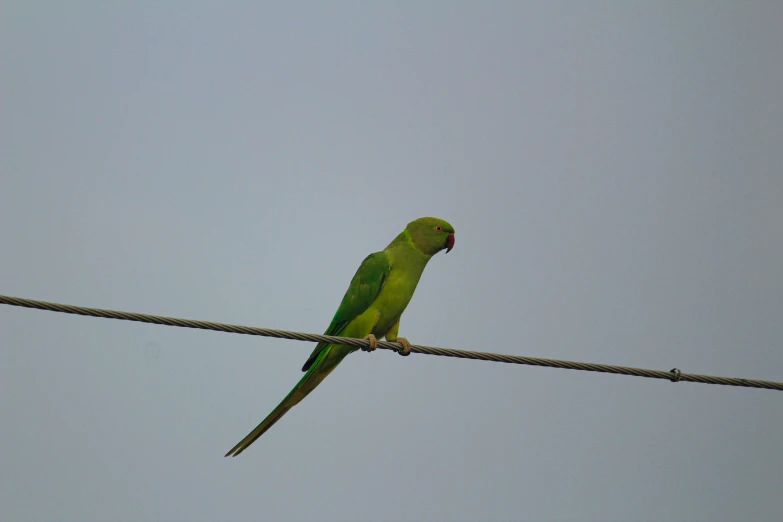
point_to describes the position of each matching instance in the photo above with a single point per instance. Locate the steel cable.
(673, 375)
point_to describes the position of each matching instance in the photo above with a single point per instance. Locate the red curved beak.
(449, 243)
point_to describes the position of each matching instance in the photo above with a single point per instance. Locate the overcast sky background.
(614, 172)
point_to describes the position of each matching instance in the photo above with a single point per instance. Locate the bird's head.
(431, 235)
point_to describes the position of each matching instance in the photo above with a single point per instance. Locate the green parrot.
(371, 308)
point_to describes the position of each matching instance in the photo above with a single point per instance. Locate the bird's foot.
(373, 343)
(406, 346)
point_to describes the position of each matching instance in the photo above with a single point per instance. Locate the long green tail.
(312, 378)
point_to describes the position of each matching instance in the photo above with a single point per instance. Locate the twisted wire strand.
(673, 375)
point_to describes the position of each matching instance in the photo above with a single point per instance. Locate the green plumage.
(375, 300)
(365, 287)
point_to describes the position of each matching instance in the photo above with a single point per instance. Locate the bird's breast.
(394, 298)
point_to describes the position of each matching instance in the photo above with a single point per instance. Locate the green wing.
(364, 288)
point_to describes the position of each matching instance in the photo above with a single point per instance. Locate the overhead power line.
(673, 375)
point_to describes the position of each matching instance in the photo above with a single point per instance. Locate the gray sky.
(614, 174)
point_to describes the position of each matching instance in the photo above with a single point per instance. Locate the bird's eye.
(438, 228)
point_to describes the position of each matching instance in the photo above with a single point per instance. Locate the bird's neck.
(403, 248)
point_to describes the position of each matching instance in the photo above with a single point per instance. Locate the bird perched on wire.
(371, 308)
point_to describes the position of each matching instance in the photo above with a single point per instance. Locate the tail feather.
(315, 374)
(267, 423)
